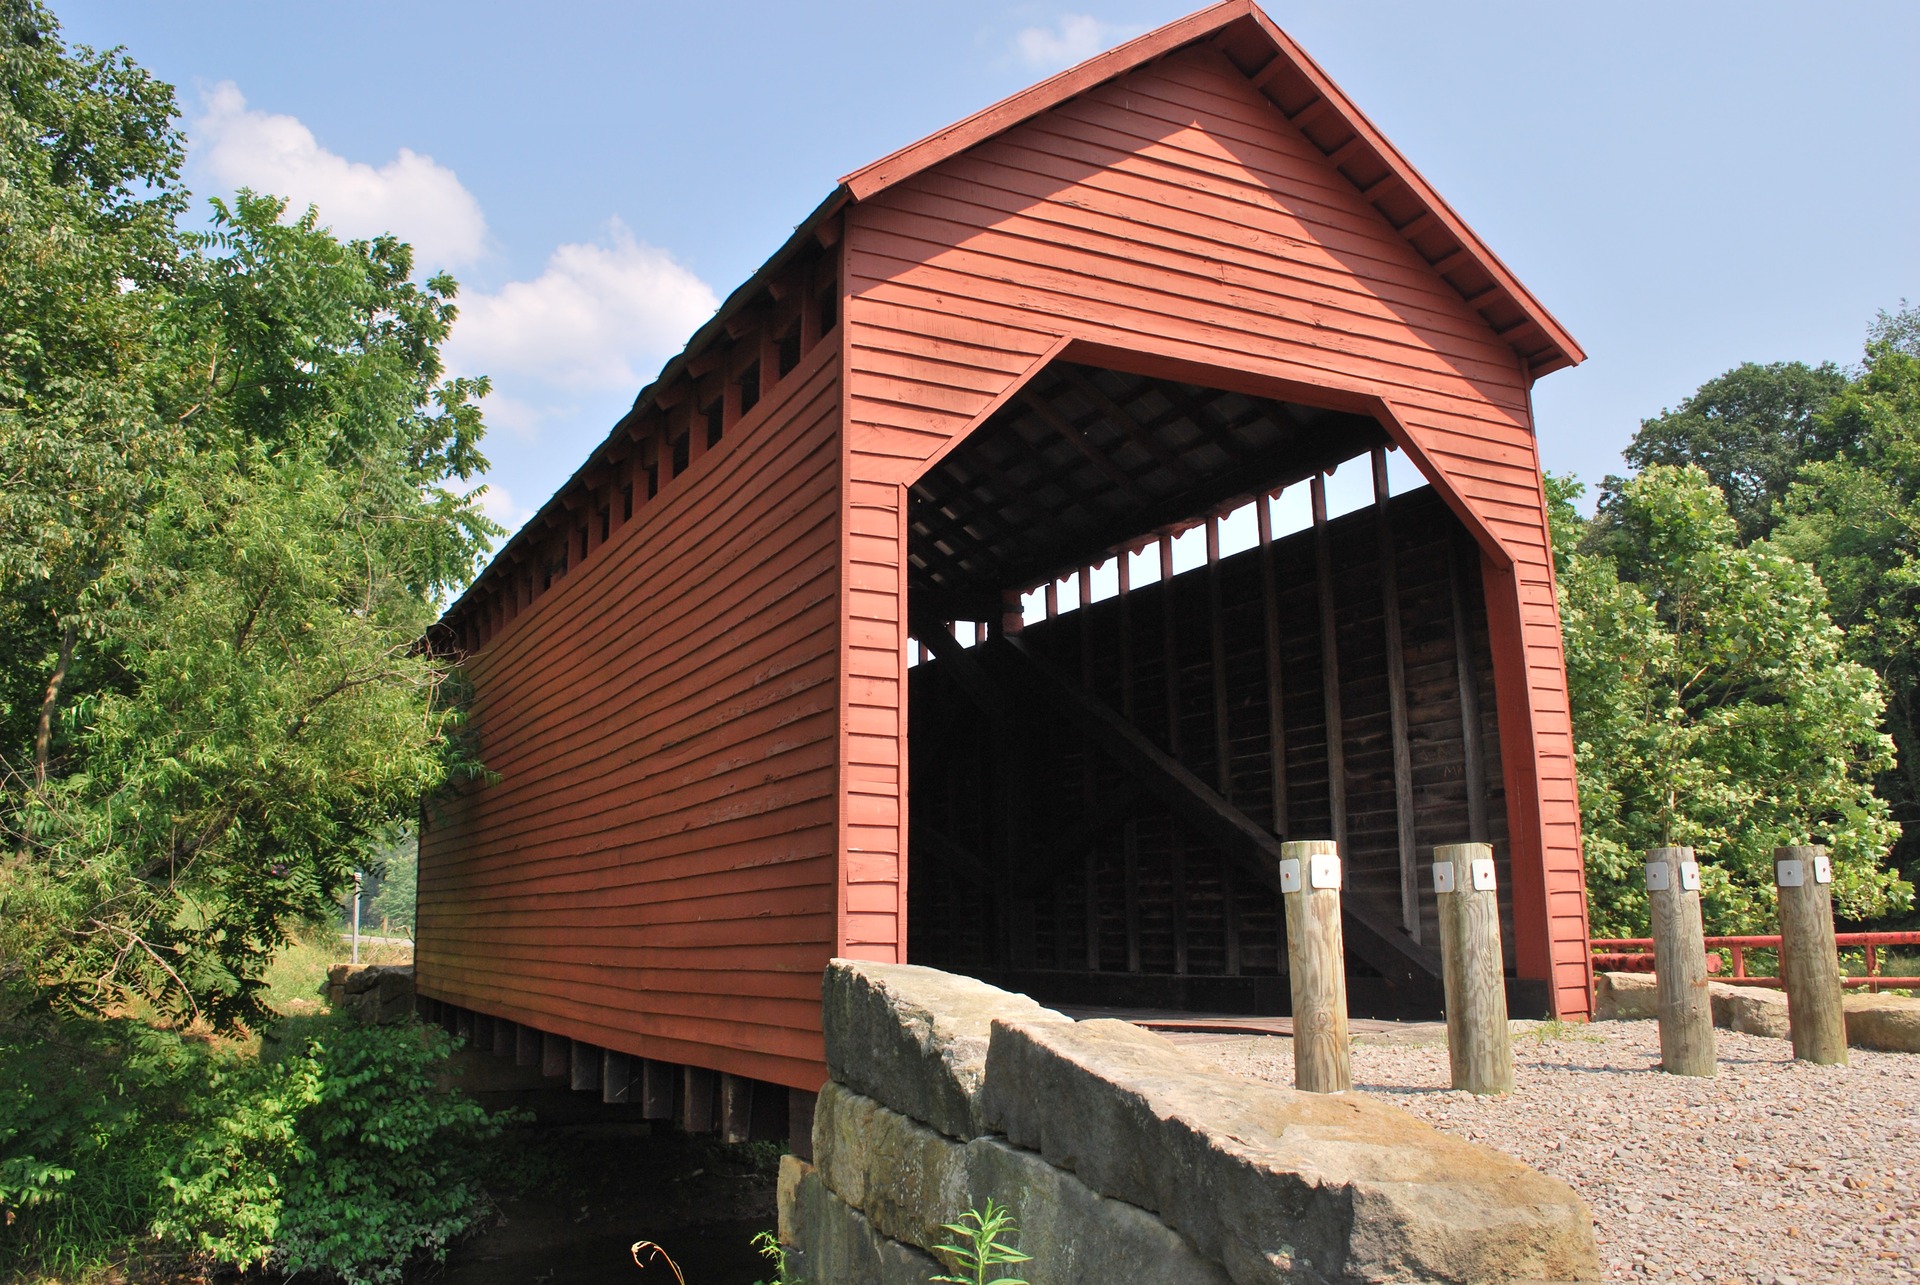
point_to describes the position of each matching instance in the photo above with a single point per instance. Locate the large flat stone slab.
(1751, 1010)
(1754, 1010)
(909, 1180)
(1624, 997)
(1887, 1022)
(915, 1039)
(1075, 1235)
(832, 1244)
(1275, 1185)
(906, 1178)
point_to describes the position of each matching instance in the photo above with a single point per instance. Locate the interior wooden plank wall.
(1163, 903)
(654, 870)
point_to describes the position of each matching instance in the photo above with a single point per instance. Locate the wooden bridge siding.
(654, 871)
(948, 787)
(1175, 214)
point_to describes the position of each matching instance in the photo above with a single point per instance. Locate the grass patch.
(294, 977)
(1553, 1031)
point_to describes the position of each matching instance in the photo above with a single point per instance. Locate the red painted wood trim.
(1569, 352)
(870, 180)
(882, 174)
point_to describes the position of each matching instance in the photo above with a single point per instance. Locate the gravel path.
(1775, 1171)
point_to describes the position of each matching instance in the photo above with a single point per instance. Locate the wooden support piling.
(736, 1108)
(1176, 848)
(1330, 664)
(800, 1108)
(1130, 834)
(1222, 738)
(584, 1072)
(556, 1055)
(1397, 698)
(1469, 687)
(1680, 963)
(699, 1087)
(1089, 791)
(1276, 697)
(1130, 872)
(616, 1078)
(505, 1037)
(658, 1081)
(1310, 881)
(1809, 961)
(1479, 1047)
(526, 1046)
(1217, 641)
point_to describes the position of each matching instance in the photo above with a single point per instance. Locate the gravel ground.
(1775, 1171)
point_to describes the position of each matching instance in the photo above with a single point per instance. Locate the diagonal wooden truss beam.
(1400, 960)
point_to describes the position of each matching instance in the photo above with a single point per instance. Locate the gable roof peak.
(1309, 99)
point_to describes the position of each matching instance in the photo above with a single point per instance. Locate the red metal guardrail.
(1635, 955)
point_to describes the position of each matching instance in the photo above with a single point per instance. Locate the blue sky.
(1686, 185)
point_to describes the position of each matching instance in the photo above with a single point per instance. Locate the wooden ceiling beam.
(1077, 438)
(1123, 420)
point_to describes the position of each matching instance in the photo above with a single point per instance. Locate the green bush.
(90, 1115)
(339, 1156)
(334, 1152)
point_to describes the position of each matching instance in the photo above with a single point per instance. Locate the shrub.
(90, 1114)
(334, 1152)
(339, 1156)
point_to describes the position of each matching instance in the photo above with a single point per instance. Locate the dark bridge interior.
(1097, 796)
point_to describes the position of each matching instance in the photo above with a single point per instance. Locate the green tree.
(399, 871)
(1856, 519)
(222, 536)
(1714, 706)
(1751, 430)
(89, 191)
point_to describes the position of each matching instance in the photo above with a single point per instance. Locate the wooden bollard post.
(1680, 963)
(1317, 960)
(1809, 962)
(1478, 1044)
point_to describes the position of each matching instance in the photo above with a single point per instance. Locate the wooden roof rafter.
(1023, 498)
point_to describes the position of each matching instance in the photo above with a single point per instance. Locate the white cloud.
(601, 316)
(497, 503)
(1075, 37)
(411, 196)
(566, 350)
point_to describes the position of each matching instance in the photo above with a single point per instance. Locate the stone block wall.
(1125, 1158)
(371, 994)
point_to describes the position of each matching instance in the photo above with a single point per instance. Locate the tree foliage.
(1713, 706)
(1856, 519)
(232, 492)
(1751, 430)
(338, 1151)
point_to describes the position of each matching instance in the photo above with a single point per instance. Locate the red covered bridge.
(758, 687)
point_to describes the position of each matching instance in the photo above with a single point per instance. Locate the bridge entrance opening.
(1158, 628)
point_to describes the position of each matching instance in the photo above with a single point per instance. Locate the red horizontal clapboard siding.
(1173, 214)
(654, 869)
